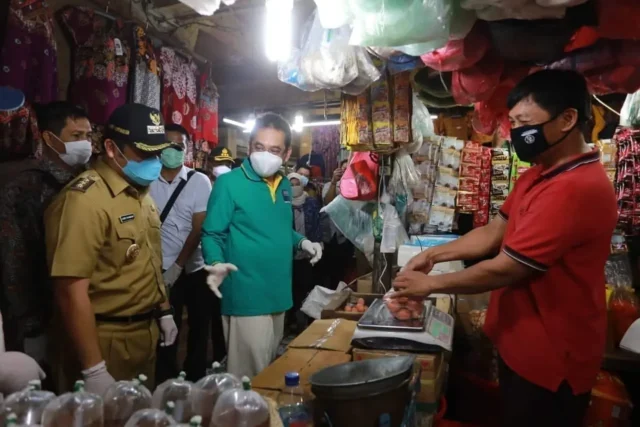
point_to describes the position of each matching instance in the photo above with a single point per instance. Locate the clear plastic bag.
(334, 13)
(78, 409)
(179, 392)
(399, 22)
(405, 176)
(393, 231)
(205, 7)
(241, 408)
(209, 389)
(354, 220)
(123, 399)
(327, 61)
(28, 404)
(630, 113)
(404, 308)
(152, 418)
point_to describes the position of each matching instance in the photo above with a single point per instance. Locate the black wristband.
(167, 312)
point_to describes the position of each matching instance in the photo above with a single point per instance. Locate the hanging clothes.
(207, 123)
(28, 59)
(179, 94)
(19, 135)
(146, 86)
(101, 57)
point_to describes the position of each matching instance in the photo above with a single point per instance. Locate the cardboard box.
(365, 285)
(335, 308)
(326, 334)
(431, 390)
(430, 363)
(305, 362)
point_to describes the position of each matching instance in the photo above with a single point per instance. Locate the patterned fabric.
(179, 94)
(19, 135)
(101, 55)
(25, 298)
(28, 59)
(326, 141)
(146, 80)
(310, 212)
(207, 126)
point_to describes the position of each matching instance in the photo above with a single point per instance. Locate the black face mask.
(529, 141)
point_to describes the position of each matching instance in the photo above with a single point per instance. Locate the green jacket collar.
(250, 173)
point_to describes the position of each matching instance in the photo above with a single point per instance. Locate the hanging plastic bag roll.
(399, 22)
(354, 220)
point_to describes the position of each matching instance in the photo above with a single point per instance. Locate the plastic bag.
(360, 180)
(152, 418)
(624, 308)
(393, 231)
(630, 113)
(179, 392)
(421, 126)
(318, 299)
(78, 409)
(404, 308)
(334, 13)
(405, 176)
(209, 389)
(326, 61)
(399, 22)
(123, 399)
(477, 83)
(205, 7)
(28, 404)
(241, 408)
(598, 56)
(354, 220)
(459, 54)
(462, 20)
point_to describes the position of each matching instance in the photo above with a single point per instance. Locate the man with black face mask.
(547, 313)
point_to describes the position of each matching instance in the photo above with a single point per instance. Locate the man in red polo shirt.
(547, 313)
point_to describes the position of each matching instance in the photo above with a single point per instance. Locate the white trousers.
(252, 342)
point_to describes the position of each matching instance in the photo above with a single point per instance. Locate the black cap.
(138, 125)
(221, 154)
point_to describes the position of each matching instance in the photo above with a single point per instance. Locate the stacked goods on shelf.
(481, 216)
(518, 167)
(500, 184)
(608, 152)
(427, 160)
(470, 173)
(627, 187)
(442, 212)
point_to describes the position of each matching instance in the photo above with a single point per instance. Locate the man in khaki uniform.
(104, 254)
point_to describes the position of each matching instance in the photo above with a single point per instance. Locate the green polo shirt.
(251, 226)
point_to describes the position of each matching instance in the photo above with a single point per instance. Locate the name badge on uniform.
(127, 218)
(286, 196)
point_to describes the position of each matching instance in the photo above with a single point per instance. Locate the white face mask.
(297, 190)
(220, 170)
(265, 164)
(77, 152)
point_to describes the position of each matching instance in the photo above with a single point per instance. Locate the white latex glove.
(217, 274)
(97, 379)
(168, 330)
(171, 275)
(313, 249)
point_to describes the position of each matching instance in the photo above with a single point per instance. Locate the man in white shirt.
(181, 195)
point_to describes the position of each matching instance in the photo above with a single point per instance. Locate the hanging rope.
(605, 105)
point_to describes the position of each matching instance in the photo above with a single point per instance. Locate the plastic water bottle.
(292, 406)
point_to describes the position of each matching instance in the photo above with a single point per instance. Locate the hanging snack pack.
(124, 398)
(210, 388)
(241, 408)
(470, 173)
(179, 392)
(27, 405)
(153, 417)
(77, 409)
(500, 178)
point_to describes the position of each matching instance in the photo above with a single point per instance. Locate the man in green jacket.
(248, 243)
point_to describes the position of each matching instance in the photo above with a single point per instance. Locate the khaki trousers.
(128, 349)
(252, 342)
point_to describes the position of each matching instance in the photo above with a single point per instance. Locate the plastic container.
(77, 409)
(241, 408)
(123, 399)
(153, 417)
(27, 405)
(179, 391)
(293, 408)
(209, 389)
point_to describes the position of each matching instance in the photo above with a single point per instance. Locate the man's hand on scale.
(413, 284)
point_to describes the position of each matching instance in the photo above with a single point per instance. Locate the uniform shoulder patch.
(82, 184)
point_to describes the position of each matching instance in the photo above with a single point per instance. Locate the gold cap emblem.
(155, 118)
